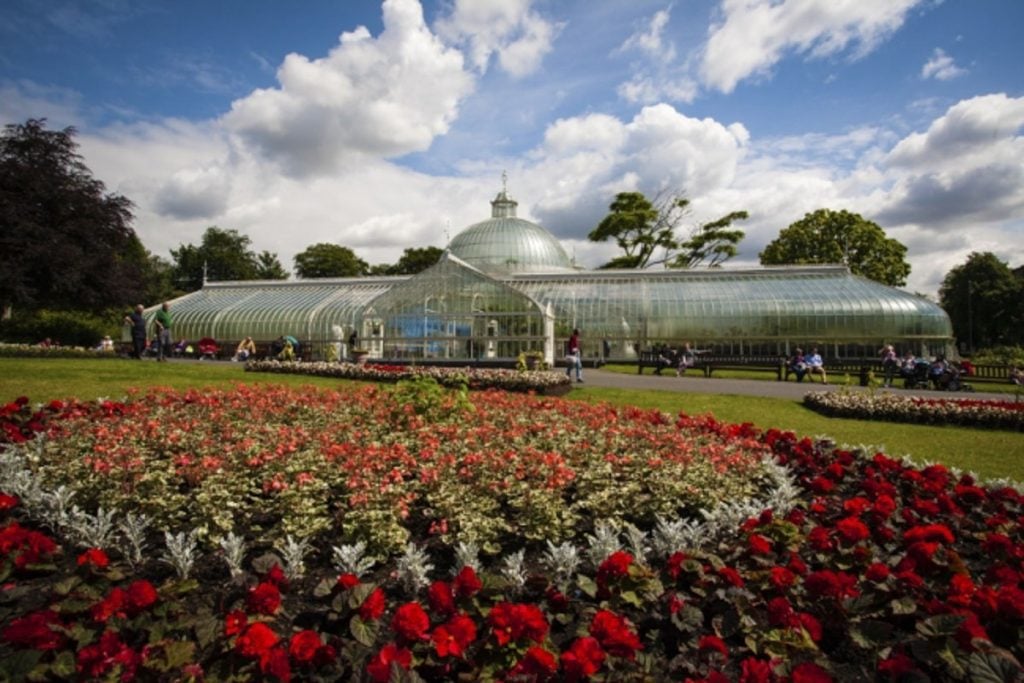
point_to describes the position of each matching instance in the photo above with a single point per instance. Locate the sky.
(386, 125)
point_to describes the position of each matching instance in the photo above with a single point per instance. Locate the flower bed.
(851, 566)
(897, 408)
(540, 381)
(36, 351)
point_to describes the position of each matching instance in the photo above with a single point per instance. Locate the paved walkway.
(747, 387)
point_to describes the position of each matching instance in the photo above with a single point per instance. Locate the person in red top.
(575, 356)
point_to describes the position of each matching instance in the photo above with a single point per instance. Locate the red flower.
(537, 665)
(755, 671)
(347, 581)
(759, 545)
(234, 622)
(929, 533)
(808, 623)
(265, 598)
(466, 584)
(583, 658)
(452, 638)
(615, 566)
(970, 629)
(779, 612)
(896, 666)
(112, 605)
(809, 672)
(782, 577)
(379, 667)
(304, 646)
(820, 539)
(1011, 603)
(877, 572)
(276, 576)
(615, 635)
(95, 558)
(93, 661)
(829, 584)
(275, 663)
(731, 576)
(512, 622)
(411, 622)
(884, 505)
(441, 599)
(36, 631)
(8, 502)
(851, 530)
(674, 566)
(256, 640)
(713, 643)
(373, 606)
(141, 595)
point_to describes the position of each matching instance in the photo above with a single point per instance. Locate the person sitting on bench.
(815, 365)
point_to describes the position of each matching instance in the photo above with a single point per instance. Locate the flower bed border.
(890, 407)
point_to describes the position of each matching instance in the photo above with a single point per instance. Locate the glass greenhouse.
(505, 286)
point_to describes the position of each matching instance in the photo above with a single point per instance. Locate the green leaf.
(905, 605)
(265, 562)
(324, 588)
(940, 625)
(179, 653)
(994, 666)
(208, 630)
(631, 598)
(587, 585)
(870, 633)
(364, 633)
(357, 596)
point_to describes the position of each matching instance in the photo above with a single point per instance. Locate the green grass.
(990, 453)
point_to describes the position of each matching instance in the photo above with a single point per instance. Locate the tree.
(637, 227)
(641, 227)
(713, 242)
(64, 241)
(416, 260)
(985, 302)
(222, 255)
(827, 236)
(268, 267)
(329, 260)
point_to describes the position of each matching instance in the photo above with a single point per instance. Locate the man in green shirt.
(163, 332)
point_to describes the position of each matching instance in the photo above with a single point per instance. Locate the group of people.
(680, 359)
(802, 365)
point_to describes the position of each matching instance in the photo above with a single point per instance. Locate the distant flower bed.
(36, 351)
(541, 381)
(919, 410)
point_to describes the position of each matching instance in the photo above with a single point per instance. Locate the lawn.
(989, 453)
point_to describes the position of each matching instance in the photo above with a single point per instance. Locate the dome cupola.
(505, 243)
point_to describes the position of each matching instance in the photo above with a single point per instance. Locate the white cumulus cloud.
(510, 29)
(753, 35)
(370, 97)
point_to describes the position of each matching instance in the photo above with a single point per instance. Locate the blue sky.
(381, 126)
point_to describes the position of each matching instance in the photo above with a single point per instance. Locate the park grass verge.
(988, 453)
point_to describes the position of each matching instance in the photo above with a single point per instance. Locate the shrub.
(70, 328)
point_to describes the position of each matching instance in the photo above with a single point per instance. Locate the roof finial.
(504, 182)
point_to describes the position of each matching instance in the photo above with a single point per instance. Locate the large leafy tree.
(985, 301)
(222, 255)
(65, 242)
(329, 260)
(827, 236)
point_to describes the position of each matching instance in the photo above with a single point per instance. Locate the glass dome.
(507, 244)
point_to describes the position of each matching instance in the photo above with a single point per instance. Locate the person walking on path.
(163, 332)
(138, 323)
(575, 356)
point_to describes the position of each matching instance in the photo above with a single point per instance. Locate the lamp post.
(970, 318)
